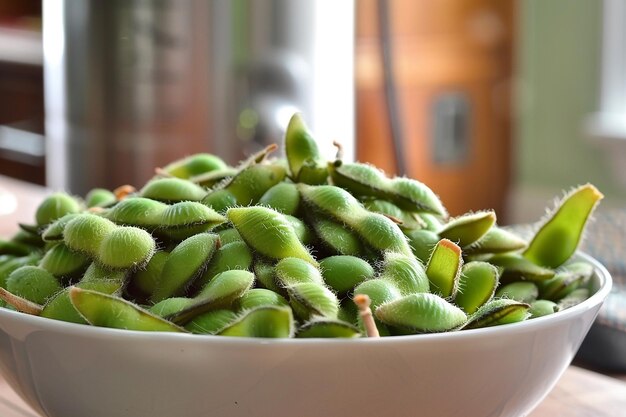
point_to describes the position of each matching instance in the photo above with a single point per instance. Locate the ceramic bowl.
(68, 370)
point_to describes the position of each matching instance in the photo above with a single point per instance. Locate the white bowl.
(68, 370)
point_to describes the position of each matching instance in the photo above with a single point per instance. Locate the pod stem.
(162, 173)
(339, 146)
(20, 304)
(363, 302)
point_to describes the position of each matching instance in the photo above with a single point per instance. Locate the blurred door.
(452, 64)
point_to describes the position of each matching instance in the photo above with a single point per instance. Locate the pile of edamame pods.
(280, 247)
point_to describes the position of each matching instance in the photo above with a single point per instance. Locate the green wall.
(558, 74)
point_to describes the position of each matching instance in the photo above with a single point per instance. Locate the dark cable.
(393, 113)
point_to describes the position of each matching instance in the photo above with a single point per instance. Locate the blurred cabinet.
(452, 64)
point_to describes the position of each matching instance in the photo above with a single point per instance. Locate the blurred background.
(493, 103)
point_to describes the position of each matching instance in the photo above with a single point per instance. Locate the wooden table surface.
(579, 393)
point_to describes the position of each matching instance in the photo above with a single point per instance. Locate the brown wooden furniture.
(440, 47)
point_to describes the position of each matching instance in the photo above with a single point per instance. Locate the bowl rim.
(83, 330)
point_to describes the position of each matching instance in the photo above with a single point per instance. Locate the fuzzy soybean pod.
(496, 240)
(248, 186)
(566, 280)
(405, 272)
(194, 165)
(259, 297)
(378, 231)
(234, 255)
(303, 156)
(342, 273)
(469, 228)
(444, 268)
(100, 197)
(229, 235)
(220, 200)
(574, 298)
(422, 312)
(54, 231)
(308, 295)
(146, 280)
(8, 247)
(13, 263)
(96, 278)
(172, 190)
(477, 284)
(187, 218)
(335, 237)
(115, 247)
(105, 310)
(55, 206)
(211, 322)
(523, 291)
(557, 239)
(422, 243)
(61, 261)
(283, 197)
(184, 264)
(497, 312)
(265, 276)
(33, 283)
(304, 233)
(515, 267)
(406, 220)
(366, 180)
(137, 211)
(268, 232)
(223, 290)
(320, 327)
(265, 322)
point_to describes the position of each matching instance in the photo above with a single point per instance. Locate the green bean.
(559, 236)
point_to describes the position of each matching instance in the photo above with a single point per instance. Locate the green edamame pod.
(55, 206)
(496, 240)
(100, 197)
(146, 280)
(220, 293)
(172, 190)
(249, 185)
(194, 165)
(320, 327)
(126, 248)
(267, 322)
(229, 235)
(54, 231)
(170, 306)
(210, 179)
(303, 156)
(104, 310)
(14, 248)
(220, 200)
(342, 273)
(268, 232)
(265, 276)
(558, 238)
(283, 197)
(86, 232)
(60, 261)
(540, 308)
(407, 220)
(33, 283)
(515, 267)
(405, 272)
(497, 312)
(574, 298)
(444, 267)
(211, 322)
(565, 281)
(477, 284)
(423, 312)
(259, 297)
(523, 291)
(234, 255)
(469, 228)
(137, 211)
(184, 264)
(302, 230)
(422, 243)
(337, 238)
